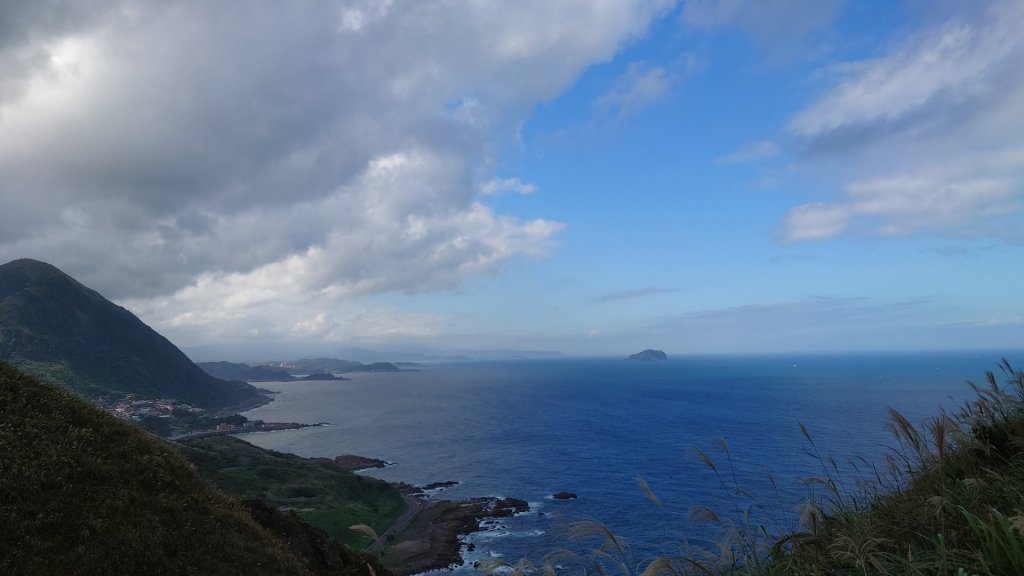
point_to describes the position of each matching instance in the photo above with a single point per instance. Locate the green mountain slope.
(56, 328)
(84, 493)
(321, 492)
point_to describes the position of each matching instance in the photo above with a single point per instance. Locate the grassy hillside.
(57, 329)
(948, 500)
(316, 489)
(84, 493)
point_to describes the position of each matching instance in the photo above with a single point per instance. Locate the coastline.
(265, 397)
(433, 539)
(266, 427)
(353, 463)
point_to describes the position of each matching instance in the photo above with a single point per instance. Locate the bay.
(529, 429)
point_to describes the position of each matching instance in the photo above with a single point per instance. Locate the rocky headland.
(432, 541)
(353, 463)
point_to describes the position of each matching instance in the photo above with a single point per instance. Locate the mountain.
(245, 372)
(649, 356)
(55, 328)
(335, 366)
(85, 493)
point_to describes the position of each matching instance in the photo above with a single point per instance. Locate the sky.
(270, 179)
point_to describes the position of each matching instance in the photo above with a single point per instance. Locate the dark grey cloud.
(208, 161)
(149, 116)
(27, 27)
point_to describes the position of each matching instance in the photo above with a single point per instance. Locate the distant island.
(316, 369)
(649, 355)
(321, 377)
(245, 372)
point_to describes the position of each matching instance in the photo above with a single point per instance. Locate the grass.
(84, 493)
(315, 489)
(948, 499)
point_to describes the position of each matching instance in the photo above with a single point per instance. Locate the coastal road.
(415, 506)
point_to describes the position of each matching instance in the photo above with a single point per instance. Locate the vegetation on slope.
(59, 330)
(948, 500)
(82, 492)
(317, 489)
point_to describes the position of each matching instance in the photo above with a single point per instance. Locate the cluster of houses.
(247, 425)
(129, 408)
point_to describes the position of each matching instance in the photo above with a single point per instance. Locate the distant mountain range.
(54, 327)
(288, 371)
(335, 366)
(245, 372)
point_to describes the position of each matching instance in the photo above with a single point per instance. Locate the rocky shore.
(433, 539)
(353, 463)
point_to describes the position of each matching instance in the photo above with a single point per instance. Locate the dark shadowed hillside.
(84, 493)
(320, 491)
(245, 372)
(56, 328)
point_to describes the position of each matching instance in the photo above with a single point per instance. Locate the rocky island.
(649, 355)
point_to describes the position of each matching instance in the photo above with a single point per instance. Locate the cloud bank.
(208, 162)
(933, 126)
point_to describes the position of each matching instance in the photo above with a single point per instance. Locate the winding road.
(415, 506)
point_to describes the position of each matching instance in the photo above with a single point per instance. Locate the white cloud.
(637, 293)
(932, 131)
(497, 186)
(751, 152)
(208, 160)
(640, 86)
(977, 197)
(959, 63)
(229, 169)
(778, 24)
(815, 221)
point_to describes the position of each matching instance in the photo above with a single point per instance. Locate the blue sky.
(705, 176)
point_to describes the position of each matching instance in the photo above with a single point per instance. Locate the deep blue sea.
(529, 429)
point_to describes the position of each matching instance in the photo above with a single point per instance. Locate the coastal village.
(128, 408)
(137, 410)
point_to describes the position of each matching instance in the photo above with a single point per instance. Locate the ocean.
(532, 428)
